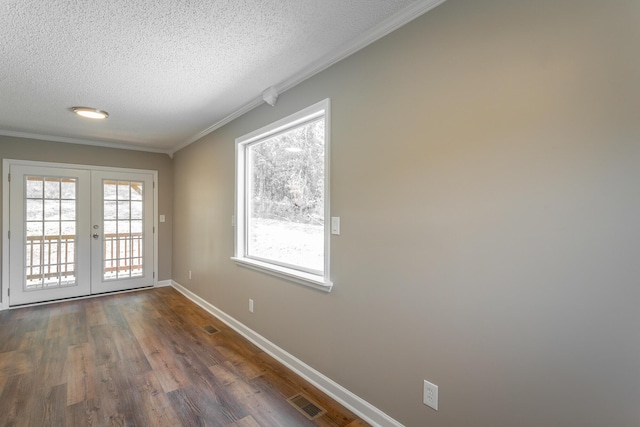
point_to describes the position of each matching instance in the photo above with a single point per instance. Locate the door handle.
(96, 235)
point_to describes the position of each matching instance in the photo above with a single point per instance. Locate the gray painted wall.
(485, 164)
(57, 152)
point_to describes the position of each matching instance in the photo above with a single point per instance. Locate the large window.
(282, 198)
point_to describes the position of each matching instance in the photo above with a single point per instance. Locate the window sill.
(299, 277)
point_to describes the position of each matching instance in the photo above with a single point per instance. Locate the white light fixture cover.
(90, 113)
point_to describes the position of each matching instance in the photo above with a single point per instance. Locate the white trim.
(295, 276)
(163, 283)
(316, 279)
(239, 112)
(7, 163)
(384, 28)
(349, 400)
(4, 285)
(319, 109)
(73, 166)
(69, 140)
(156, 229)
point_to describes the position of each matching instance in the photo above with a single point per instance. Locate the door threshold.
(35, 304)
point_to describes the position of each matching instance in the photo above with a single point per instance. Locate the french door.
(77, 232)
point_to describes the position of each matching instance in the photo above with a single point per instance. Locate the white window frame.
(306, 278)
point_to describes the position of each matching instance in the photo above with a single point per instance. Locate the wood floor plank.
(264, 408)
(3, 381)
(357, 423)
(278, 379)
(246, 365)
(63, 321)
(58, 326)
(114, 391)
(204, 409)
(77, 327)
(16, 400)
(33, 340)
(206, 391)
(52, 369)
(124, 341)
(85, 413)
(13, 333)
(94, 312)
(15, 363)
(143, 359)
(101, 339)
(178, 329)
(247, 421)
(153, 406)
(169, 373)
(51, 410)
(81, 374)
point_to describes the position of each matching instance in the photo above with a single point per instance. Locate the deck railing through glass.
(51, 260)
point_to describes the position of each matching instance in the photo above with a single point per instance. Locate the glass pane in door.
(50, 232)
(123, 229)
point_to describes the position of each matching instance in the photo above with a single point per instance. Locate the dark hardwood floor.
(143, 359)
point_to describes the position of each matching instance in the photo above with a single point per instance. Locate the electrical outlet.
(430, 395)
(250, 305)
(189, 274)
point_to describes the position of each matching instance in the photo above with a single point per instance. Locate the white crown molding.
(239, 112)
(385, 27)
(356, 404)
(83, 142)
(376, 33)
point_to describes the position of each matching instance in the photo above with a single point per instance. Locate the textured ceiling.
(168, 71)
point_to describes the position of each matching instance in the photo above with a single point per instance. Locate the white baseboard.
(357, 405)
(163, 283)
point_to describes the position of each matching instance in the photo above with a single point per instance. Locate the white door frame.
(6, 165)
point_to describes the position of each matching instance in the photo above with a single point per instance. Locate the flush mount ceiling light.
(90, 113)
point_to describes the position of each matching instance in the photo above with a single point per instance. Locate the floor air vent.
(210, 329)
(308, 408)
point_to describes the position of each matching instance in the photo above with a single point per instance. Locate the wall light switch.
(162, 218)
(335, 225)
